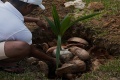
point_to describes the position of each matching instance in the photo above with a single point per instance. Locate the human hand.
(41, 24)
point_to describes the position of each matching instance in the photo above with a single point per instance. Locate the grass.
(109, 4)
(25, 76)
(106, 72)
(31, 73)
(110, 70)
(111, 7)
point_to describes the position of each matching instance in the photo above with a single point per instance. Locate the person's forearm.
(35, 20)
(30, 19)
(40, 55)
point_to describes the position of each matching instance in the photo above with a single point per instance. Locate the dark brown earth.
(103, 34)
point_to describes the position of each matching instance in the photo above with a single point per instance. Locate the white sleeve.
(24, 35)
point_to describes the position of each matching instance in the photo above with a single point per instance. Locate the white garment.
(12, 25)
(1, 2)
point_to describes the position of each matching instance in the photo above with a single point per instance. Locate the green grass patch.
(24, 76)
(106, 72)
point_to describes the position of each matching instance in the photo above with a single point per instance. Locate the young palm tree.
(59, 27)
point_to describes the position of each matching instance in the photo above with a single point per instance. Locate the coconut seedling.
(60, 26)
(65, 55)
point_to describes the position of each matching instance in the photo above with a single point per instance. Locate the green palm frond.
(56, 18)
(65, 24)
(83, 18)
(52, 25)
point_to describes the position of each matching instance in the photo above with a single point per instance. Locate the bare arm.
(30, 19)
(36, 20)
(42, 56)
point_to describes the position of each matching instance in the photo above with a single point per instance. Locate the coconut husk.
(77, 40)
(74, 66)
(76, 44)
(81, 53)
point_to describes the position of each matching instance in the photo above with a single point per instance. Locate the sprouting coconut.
(65, 55)
(78, 41)
(81, 53)
(73, 66)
